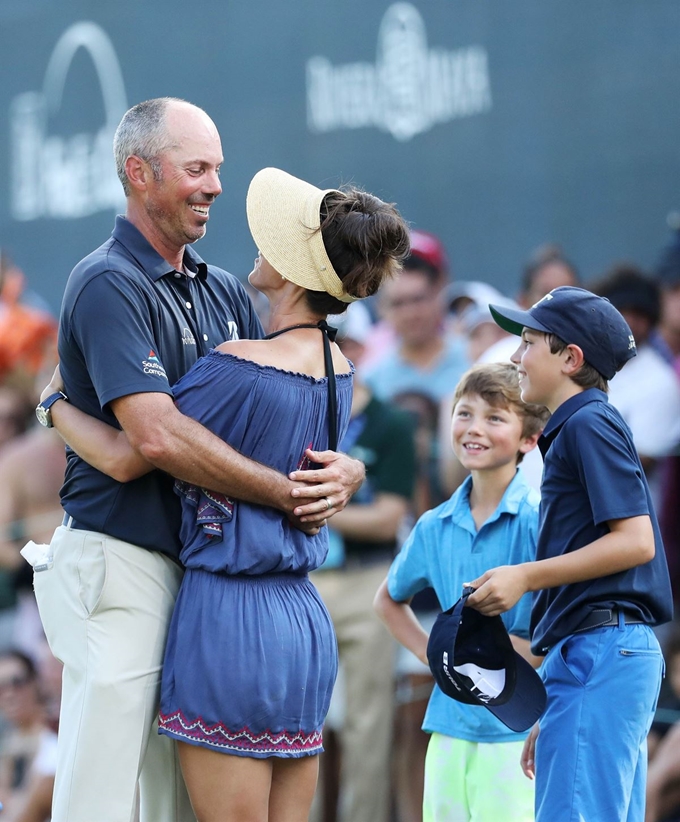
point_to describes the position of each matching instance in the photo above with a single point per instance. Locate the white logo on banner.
(409, 89)
(66, 177)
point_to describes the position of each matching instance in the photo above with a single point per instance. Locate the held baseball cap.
(472, 660)
(578, 317)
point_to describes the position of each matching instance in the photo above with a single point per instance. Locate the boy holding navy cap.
(600, 579)
(471, 768)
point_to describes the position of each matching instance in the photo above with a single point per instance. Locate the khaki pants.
(105, 606)
(367, 657)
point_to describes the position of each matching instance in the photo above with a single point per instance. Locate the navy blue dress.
(251, 658)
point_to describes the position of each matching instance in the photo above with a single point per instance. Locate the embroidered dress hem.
(242, 742)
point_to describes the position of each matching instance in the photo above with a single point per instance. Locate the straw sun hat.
(283, 215)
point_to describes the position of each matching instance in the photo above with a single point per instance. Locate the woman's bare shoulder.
(262, 352)
(286, 355)
(246, 349)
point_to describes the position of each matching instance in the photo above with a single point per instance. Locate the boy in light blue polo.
(472, 766)
(600, 579)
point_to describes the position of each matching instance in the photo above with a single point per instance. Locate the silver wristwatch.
(43, 411)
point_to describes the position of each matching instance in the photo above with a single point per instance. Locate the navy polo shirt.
(592, 474)
(131, 324)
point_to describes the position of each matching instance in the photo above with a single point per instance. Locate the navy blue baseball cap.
(578, 317)
(472, 660)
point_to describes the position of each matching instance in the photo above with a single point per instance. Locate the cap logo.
(487, 684)
(545, 297)
(445, 666)
(631, 342)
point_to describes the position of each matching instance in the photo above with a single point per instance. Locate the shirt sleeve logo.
(152, 365)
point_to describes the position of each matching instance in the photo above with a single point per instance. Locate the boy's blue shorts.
(591, 752)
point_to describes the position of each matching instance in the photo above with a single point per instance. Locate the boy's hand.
(528, 760)
(497, 590)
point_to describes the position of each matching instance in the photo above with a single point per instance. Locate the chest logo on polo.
(232, 329)
(188, 337)
(152, 365)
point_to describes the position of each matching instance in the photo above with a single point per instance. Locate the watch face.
(43, 416)
(43, 411)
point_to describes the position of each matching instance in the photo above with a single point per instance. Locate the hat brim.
(513, 320)
(525, 706)
(284, 216)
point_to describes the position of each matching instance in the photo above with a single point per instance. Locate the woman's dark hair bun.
(366, 240)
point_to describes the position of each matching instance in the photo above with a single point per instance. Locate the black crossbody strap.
(328, 333)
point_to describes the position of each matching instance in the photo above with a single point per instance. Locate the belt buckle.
(590, 621)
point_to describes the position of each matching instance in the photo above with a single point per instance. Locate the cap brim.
(525, 706)
(513, 320)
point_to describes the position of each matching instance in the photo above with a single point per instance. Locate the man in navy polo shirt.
(137, 313)
(600, 577)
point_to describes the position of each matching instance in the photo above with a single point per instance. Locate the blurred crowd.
(410, 346)
(32, 463)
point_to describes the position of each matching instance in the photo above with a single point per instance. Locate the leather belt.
(607, 617)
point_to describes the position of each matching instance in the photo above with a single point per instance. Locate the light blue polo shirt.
(444, 550)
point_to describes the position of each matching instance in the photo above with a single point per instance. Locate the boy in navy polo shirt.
(600, 579)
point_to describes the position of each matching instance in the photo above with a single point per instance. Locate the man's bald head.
(152, 128)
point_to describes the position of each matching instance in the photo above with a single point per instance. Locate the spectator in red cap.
(430, 248)
(427, 251)
(421, 355)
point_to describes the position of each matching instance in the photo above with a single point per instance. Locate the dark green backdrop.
(498, 125)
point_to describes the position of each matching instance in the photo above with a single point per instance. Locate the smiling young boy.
(600, 579)
(471, 769)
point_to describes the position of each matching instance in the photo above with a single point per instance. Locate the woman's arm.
(104, 447)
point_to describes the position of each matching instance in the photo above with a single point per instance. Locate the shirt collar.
(562, 414)
(458, 506)
(155, 267)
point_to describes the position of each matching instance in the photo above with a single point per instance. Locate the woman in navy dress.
(251, 657)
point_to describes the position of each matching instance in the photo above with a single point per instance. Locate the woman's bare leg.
(292, 788)
(226, 788)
